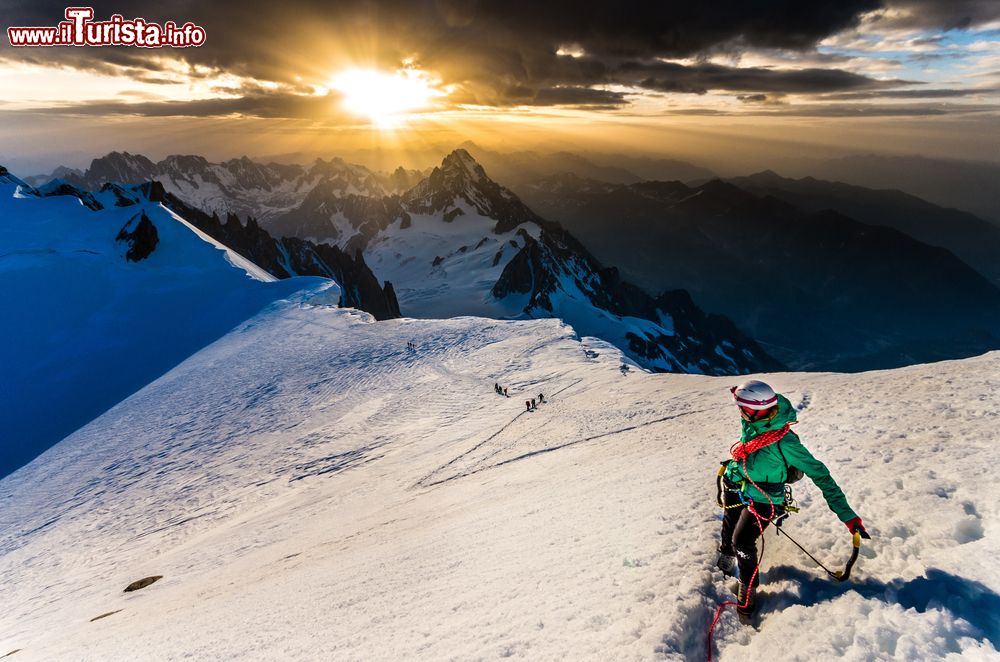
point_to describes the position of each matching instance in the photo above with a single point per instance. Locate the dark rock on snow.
(142, 583)
(140, 236)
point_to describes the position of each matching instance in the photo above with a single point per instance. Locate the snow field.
(311, 489)
(81, 328)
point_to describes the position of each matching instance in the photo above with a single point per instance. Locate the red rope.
(758, 519)
(741, 450)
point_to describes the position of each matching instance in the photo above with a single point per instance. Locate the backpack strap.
(788, 467)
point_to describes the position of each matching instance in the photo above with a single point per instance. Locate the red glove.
(856, 525)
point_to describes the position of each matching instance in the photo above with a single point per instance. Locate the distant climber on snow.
(541, 398)
(767, 456)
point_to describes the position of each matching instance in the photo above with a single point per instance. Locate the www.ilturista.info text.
(79, 29)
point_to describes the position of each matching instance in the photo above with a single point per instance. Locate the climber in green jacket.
(767, 456)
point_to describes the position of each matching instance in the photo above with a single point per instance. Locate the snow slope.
(81, 327)
(447, 269)
(311, 489)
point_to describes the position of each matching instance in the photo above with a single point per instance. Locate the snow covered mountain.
(500, 259)
(238, 186)
(458, 243)
(104, 292)
(309, 487)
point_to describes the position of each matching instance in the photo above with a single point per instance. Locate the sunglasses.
(756, 414)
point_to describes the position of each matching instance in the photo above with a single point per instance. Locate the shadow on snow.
(964, 598)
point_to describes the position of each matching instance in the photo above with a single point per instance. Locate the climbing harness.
(790, 506)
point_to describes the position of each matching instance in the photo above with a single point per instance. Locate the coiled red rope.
(740, 450)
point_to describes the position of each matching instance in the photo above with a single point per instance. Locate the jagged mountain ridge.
(352, 219)
(460, 177)
(291, 256)
(239, 186)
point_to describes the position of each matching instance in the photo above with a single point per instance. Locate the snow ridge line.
(422, 482)
(500, 448)
(540, 451)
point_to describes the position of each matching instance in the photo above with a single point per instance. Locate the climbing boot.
(727, 564)
(746, 600)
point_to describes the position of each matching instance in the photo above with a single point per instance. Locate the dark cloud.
(843, 110)
(497, 52)
(577, 96)
(909, 94)
(937, 56)
(762, 99)
(940, 14)
(699, 79)
(276, 105)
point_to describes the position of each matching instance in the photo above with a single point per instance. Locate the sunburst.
(386, 99)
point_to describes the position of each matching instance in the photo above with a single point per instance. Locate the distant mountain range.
(849, 270)
(818, 289)
(967, 185)
(238, 186)
(455, 243)
(516, 169)
(973, 239)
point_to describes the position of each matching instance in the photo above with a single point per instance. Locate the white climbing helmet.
(754, 394)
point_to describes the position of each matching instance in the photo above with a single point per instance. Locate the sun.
(386, 99)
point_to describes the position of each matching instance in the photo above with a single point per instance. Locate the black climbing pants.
(740, 531)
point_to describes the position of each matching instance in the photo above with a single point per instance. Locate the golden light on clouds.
(387, 99)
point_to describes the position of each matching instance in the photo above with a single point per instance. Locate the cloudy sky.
(692, 79)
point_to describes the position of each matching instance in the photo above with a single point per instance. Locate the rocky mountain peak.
(184, 163)
(460, 180)
(460, 166)
(120, 167)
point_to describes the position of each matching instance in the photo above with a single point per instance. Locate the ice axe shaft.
(839, 575)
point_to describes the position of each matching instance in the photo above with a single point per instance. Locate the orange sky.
(734, 94)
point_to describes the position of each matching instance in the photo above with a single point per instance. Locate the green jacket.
(768, 464)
